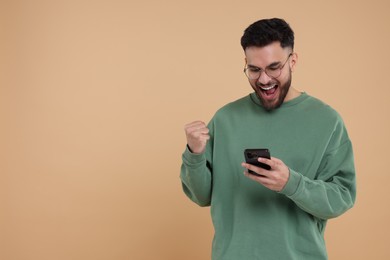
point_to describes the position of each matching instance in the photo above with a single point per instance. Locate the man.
(279, 213)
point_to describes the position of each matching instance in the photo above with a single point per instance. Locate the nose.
(264, 79)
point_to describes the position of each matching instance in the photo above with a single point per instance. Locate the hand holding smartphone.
(251, 156)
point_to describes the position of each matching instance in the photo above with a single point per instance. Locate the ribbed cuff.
(292, 184)
(193, 159)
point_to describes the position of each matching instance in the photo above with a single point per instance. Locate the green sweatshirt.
(251, 221)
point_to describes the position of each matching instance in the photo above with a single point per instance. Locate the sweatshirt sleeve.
(196, 174)
(196, 178)
(333, 192)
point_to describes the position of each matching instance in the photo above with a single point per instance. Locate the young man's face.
(272, 91)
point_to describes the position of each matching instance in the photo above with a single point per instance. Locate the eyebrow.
(273, 64)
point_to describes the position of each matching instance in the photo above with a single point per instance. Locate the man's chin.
(268, 105)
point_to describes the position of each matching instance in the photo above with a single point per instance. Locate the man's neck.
(292, 93)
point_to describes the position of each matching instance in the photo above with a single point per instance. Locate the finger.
(260, 179)
(250, 176)
(203, 138)
(204, 130)
(195, 124)
(201, 128)
(263, 180)
(256, 169)
(199, 135)
(269, 162)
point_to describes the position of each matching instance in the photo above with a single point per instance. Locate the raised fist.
(197, 135)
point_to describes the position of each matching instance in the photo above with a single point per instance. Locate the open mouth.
(269, 90)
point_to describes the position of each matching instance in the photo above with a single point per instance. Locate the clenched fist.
(197, 135)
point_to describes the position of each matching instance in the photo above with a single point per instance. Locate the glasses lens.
(252, 73)
(273, 73)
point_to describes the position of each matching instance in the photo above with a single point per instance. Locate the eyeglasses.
(253, 72)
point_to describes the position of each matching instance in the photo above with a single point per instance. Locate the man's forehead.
(271, 49)
(265, 55)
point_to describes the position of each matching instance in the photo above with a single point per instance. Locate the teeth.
(271, 87)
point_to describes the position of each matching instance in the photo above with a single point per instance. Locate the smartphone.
(251, 156)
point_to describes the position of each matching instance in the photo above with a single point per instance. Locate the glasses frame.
(265, 70)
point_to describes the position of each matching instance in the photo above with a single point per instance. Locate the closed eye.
(254, 69)
(273, 68)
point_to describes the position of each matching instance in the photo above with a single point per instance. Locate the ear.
(293, 61)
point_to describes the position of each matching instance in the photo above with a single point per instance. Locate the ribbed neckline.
(289, 103)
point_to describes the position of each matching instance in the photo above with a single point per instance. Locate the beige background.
(94, 96)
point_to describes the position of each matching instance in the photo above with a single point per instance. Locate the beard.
(281, 88)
